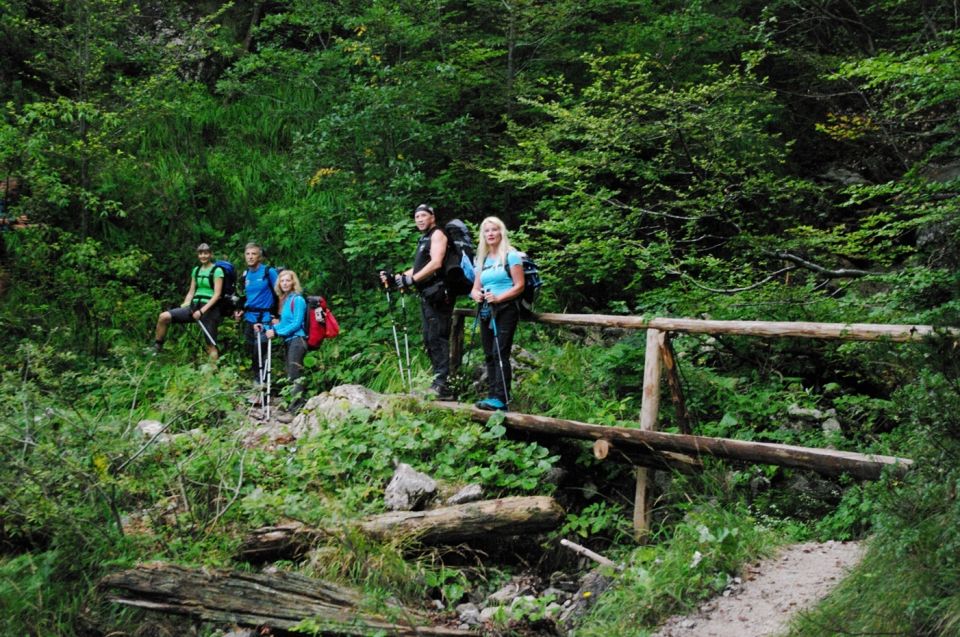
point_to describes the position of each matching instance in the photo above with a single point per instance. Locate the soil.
(766, 597)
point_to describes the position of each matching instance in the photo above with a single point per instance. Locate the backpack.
(228, 293)
(319, 323)
(458, 273)
(531, 285)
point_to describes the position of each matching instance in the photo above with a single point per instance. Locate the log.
(606, 450)
(801, 329)
(446, 525)
(823, 461)
(669, 359)
(279, 600)
(649, 411)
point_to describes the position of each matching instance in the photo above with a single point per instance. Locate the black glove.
(404, 281)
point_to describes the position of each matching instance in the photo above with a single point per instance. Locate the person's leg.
(163, 324)
(436, 339)
(174, 315)
(296, 351)
(506, 316)
(211, 321)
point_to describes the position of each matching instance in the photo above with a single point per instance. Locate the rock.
(335, 406)
(830, 425)
(504, 595)
(151, 428)
(408, 489)
(805, 413)
(469, 493)
(488, 613)
(592, 586)
(843, 176)
(469, 614)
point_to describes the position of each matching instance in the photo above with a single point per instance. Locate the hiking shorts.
(210, 320)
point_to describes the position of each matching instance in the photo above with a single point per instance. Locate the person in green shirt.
(200, 304)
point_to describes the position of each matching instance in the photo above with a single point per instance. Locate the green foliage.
(701, 555)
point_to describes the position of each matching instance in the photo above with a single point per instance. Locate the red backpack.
(319, 322)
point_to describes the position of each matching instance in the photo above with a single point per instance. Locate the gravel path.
(763, 601)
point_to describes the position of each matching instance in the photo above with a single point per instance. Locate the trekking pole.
(207, 333)
(269, 370)
(406, 341)
(260, 365)
(496, 343)
(393, 325)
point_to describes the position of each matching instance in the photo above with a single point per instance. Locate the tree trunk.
(824, 461)
(446, 525)
(279, 600)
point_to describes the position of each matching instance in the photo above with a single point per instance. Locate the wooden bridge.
(646, 448)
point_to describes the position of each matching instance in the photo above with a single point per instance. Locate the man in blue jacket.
(258, 286)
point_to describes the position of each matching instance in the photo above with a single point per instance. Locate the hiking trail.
(763, 601)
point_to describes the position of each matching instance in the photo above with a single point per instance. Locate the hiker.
(200, 304)
(436, 304)
(289, 327)
(498, 290)
(259, 282)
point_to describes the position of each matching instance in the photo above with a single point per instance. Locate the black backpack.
(458, 273)
(531, 285)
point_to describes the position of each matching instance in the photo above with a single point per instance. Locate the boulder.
(409, 490)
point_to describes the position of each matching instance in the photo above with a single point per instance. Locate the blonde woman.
(498, 288)
(289, 326)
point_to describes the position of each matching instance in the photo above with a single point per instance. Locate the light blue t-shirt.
(495, 277)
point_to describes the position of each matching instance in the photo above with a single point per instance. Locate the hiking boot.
(155, 349)
(439, 392)
(491, 404)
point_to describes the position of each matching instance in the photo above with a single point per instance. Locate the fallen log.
(823, 461)
(279, 600)
(446, 525)
(606, 450)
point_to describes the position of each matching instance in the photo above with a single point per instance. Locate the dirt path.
(763, 601)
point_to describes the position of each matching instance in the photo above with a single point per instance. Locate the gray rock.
(488, 613)
(830, 425)
(469, 493)
(469, 614)
(804, 412)
(408, 489)
(151, 428)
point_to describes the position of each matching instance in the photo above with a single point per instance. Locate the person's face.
(491, 234)
(252, 257)
(286, 282)
(204, 256)
(423, 219)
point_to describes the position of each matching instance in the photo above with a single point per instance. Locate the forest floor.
(768, 595)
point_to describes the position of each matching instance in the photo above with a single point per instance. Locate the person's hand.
(275, 321)
(271, 333)
(197, 315)
(257, 327)
(488, 296)
(404, 281)
(476, 295)
(237, 315)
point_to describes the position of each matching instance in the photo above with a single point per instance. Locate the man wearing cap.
(200, 303)
(436, 304)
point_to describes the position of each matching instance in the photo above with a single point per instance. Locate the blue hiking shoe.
(491, 404)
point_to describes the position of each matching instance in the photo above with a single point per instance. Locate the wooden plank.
(824, 461)
(649, 410)
(765, 329)
(668, 460)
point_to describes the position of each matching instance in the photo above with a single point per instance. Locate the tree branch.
(754, 286)
(841, 273)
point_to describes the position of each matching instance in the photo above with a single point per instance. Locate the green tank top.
(204, 279)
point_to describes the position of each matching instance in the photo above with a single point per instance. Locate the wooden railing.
(660, 356)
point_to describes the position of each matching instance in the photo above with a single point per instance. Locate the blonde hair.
(502, 250)
(296, 285)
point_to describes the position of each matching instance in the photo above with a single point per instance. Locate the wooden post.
(673, 379)
(456, 342)
(649, 409)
